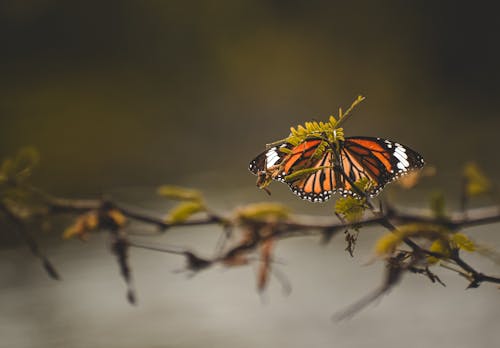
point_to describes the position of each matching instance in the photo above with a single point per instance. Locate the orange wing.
(319, 185)
(378, 160)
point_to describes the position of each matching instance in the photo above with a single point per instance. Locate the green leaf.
(476, 182)
(184, 210)
(19, 209)
(329, 131)
(445, 246)
(350, 208)
(285, 150)
(364, 184)
(258, 211)
(439, 246)
(388, 243)
(82, 226)
(438, 204)
(8, 170)
(463, 242)
(180, 193)
(21, 167)
(298, 174)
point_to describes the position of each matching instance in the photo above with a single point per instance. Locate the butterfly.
(317, 168)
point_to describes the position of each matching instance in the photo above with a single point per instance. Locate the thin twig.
(294, 226)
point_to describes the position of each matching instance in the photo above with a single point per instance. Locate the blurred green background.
(122, 96)
(127, 93)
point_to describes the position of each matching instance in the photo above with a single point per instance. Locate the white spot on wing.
(271, 157)
(401, 151)
(402, 161)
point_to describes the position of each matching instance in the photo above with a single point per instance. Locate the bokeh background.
(122, 96)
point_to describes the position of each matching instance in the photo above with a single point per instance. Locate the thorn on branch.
(474, 284)
(196, 263)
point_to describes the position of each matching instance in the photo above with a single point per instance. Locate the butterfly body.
(317, 168)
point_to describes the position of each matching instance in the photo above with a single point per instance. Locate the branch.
(30, 241)
(258, 231)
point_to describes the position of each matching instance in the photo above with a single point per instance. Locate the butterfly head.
(264, 180)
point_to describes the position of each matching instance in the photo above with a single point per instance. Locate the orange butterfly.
(316, 168)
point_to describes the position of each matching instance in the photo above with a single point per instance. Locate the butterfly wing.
(379, 160)
(267, 159)
(281, 164)
(320, 184)
(284, 162)
(300, 157)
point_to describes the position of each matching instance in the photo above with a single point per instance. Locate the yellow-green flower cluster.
(330, 131)
(323, 130)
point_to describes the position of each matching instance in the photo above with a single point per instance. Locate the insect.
(317, 161)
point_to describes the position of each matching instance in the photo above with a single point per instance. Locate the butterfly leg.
(263, 180)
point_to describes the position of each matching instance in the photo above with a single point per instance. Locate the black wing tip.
(252, 167)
